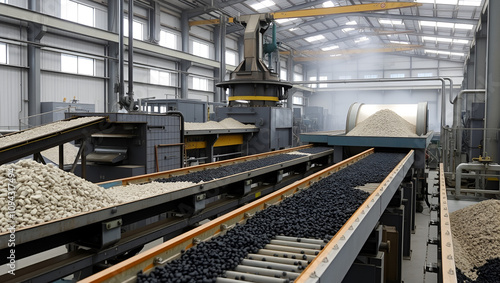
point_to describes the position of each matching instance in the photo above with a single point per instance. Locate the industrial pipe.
(130, 93)
(121, 86)
(178, 113)
(457, 110)
(471, 166)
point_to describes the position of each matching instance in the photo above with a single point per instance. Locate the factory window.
(371, 76)
(3, 1)
(313, 79)
(159, 77)
(168, 39)
(200, 83)
(77, 12)
(298, 100)
(423, 75)
(393, 76)
(231, 58)
(298, 77)
(4, 59)
(283, 74)
(345, 77)
(77, 65)
(323, 78)
(200, 49)
(137, 26)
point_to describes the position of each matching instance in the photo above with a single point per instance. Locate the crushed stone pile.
(384, 123)
(228, 123)
(476, 236)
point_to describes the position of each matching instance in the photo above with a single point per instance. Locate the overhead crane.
(373, 7)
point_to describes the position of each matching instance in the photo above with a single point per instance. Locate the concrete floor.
(413, 269)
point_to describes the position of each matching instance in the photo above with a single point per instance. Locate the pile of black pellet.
(217, 173)
(488, 273)
(318, 212)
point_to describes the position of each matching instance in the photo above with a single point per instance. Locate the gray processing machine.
(255, 92)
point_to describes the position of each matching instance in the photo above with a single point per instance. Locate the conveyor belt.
(31, 240)
(62, 225)
(331, 264)
(40, 138)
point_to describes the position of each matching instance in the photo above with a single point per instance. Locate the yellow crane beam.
(344, 9)
(324, 11)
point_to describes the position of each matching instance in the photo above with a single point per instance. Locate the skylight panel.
(469, 2)
(351, 23)
(452, 2)
(361, 39)
(442, 39)
(346, 30)
(262, 5)
(448, 2)
(282, 21)
(314, 38)
(330, 48)
(293, 29)
(328, 4)
(463, 26)
(445, 25)
(399, 42)
(390, 22)
(442, 52)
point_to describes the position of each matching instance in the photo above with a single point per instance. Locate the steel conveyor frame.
(331, 264)
(34, 239)
(38, 144)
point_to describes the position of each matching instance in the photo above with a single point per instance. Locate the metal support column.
(222, 50)
(35, 33)
(289, 74)
(241, 48)
(130, 93)
(113, 51)
(480, 61)
(492, 115)
(154, 22)
(185, 65)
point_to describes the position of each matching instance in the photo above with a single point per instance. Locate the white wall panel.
(170, 21)
(13, 92)
(57, 86)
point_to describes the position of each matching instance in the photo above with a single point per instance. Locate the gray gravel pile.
(384, 123)
(476, 236)
(318, 212)
(44, 193)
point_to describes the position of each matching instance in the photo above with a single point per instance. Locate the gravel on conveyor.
(32, 193)
(221, 172)
(44, 130)
(318, 212)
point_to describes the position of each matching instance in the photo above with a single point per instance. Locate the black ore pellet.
(302, 252)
